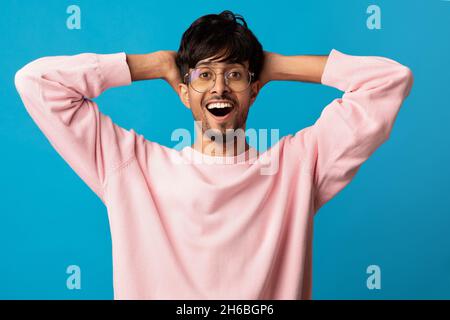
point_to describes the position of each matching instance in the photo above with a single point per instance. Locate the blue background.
(395, 213)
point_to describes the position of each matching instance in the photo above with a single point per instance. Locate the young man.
(217, 227)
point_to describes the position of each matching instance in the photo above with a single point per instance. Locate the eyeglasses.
(203, 79)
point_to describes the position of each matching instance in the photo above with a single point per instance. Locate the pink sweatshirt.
(183, 228)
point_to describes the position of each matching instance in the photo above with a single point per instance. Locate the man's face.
(200, 103)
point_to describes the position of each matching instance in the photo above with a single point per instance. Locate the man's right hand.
(171, 74)
(155, 65)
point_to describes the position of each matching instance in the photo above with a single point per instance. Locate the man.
(217, 227)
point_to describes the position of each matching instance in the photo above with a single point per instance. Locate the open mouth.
(219, 109)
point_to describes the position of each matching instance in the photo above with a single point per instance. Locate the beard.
(226, 129)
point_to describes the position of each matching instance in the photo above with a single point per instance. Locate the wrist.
(168, 68)
(271, 63)
(146, 66)
(275, 64)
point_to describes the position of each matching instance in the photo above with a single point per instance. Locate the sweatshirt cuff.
(336, 69)
(114, 70)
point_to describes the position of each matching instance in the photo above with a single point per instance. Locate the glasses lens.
(238, 79)
(203, 79)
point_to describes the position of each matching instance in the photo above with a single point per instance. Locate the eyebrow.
(208, 63)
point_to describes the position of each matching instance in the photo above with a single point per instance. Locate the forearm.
(305, 68)
(147, 66)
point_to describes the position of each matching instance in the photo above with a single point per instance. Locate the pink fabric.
(186, 229)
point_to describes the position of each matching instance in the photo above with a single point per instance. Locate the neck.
(211, 148)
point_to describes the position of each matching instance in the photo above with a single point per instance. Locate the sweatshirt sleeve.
(352, 127)
(57, 93)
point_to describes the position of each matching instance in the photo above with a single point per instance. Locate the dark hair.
(220, 35)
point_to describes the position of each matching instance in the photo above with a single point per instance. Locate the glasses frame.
(187, 81)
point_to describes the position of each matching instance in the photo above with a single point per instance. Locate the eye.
(234, 75)
(205, 75)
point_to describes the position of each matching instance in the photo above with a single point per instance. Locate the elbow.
(406, 80)
(27, 75)
(25, 82)
(20, 79)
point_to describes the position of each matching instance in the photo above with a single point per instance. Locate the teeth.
(219, 105)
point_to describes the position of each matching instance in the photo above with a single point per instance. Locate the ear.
(184, 95)
(254, 90)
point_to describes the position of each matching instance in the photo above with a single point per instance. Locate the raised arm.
(304, 68)
(56, 92)
(352, 127)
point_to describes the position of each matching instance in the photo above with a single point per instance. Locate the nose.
(220, 85)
